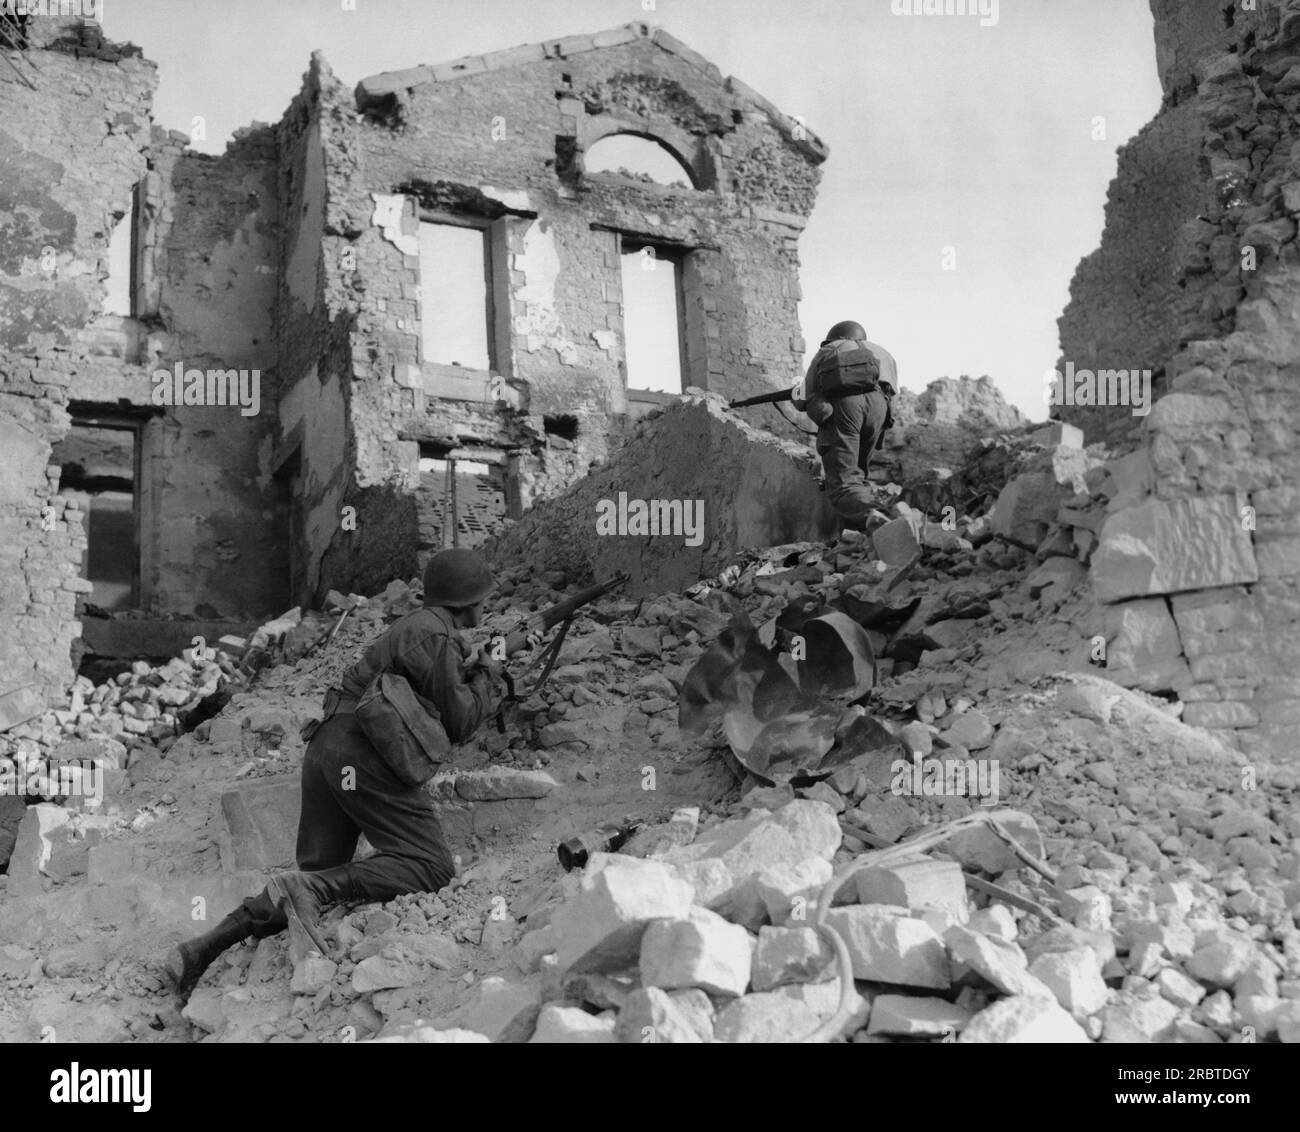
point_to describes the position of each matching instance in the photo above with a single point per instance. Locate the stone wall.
(67, 96)
(498, 140)
(1202, 550)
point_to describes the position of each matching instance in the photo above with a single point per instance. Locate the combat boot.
(301, 896)
(189, 960)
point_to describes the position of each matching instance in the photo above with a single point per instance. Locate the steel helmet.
(456, 578)
(851, 330)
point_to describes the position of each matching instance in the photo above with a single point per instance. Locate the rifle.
(788, 394)
(561, 613)
(762, 399)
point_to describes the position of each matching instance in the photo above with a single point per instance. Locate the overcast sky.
(943, 134)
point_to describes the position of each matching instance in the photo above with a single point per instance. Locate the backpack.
(847, 368)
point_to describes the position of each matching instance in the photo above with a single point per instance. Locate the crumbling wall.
(313, 329)
(1202, 551)
(1129, 308)
(68, 97)
(215, 532)
(498, 140)
(745, 487)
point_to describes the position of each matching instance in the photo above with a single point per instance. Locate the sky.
(968, 164)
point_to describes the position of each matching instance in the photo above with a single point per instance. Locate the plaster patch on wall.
(539, 262)
(387, 217)
(607, 340)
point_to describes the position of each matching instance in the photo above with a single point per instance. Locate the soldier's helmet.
(457, 578)
(850, 330)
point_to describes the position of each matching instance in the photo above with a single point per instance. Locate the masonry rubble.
(1079, 628)
(1171, 915)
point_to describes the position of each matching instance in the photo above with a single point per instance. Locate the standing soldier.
(348, 788)
(849, 403)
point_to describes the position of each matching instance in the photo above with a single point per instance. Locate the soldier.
(348, 789)
(849, 428)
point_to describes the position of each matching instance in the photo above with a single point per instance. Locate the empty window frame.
(458, 300)
(654, 322)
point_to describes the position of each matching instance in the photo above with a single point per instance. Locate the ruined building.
(417, 285)
(1198, 279)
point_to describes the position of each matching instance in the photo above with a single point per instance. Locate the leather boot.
(302, 896)
(189, 960)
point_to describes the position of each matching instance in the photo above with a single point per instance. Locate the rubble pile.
(1151, 893)
(1153, 913)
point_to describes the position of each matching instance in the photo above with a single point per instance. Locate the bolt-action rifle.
(561, 613)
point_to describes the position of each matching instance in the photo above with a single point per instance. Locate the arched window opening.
(640, 159)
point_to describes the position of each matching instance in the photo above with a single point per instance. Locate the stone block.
(558, 1023)
(902, 1016)
(896, 543)
(262, 818)
(791, 955)
(617, 897)
(1027, 506)
(652, 1016)
(502, 1011)
(1169, 546)
(1073, 978)
(498, 783)
(765, 1018)
(1145, 650)
(917, 885)
(997, 962)
(1020, 1020)
(34, 847)
(888, 946)
(701, 950)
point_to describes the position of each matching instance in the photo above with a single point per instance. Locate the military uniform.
(848, 431)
